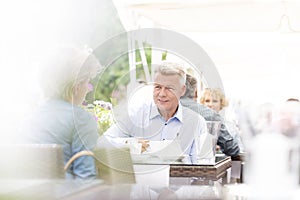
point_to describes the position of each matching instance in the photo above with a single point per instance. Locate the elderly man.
(227, 143)
(164, 118)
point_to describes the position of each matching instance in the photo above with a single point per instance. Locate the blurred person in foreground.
(64, 79)
(163, 118)
(288, 116)
(226, 142)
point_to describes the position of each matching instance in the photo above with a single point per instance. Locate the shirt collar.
(154, 112)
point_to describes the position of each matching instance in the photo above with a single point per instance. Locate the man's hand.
(145, 144)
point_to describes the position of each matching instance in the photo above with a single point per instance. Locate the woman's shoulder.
(82, 114)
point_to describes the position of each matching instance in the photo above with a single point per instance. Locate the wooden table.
(193, 171)
(202, 174)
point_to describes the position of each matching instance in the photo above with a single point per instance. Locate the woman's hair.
(214, 92)
(169, 68)
(65, 67)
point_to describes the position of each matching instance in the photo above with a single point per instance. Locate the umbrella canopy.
(253, 44)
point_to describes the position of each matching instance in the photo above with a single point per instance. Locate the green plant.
(103, 114)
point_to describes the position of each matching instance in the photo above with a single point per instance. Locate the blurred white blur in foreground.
(272, 167)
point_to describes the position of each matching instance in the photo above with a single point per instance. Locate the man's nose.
(162, 92)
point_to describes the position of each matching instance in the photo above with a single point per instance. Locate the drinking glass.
(206, 143)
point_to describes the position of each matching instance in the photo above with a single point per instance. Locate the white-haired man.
(164, 118)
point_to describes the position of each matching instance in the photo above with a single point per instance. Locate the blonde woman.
(215, 99)
(64, 79)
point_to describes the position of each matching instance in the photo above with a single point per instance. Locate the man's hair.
(191, 86)
(63, 68)
(293, 99)
(169, 68)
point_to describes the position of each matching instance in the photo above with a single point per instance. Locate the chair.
(31, 161)
(114, 165)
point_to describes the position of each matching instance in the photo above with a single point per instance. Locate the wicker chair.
(31, 161)
(114, 165)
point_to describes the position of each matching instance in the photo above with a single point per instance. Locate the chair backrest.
(114, 165)
(31, 161)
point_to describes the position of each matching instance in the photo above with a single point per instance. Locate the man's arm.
(227, 143)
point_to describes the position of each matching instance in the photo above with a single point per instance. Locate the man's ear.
(183, 89)
(196, 94)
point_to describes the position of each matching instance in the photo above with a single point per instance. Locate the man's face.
(287, 124)
(167, 91)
